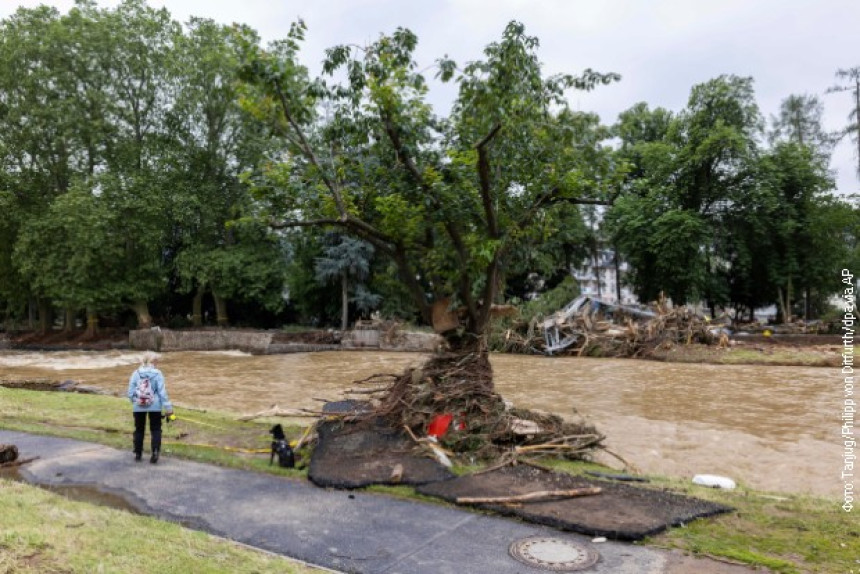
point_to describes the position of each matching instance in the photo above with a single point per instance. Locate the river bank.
(767, 426)
(786, 533)
(777, 350)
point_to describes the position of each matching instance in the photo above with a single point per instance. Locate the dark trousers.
(154, 430)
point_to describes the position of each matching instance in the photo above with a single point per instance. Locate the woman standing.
(148, 395)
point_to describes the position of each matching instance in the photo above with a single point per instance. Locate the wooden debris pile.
(457, 389)
(590, 327)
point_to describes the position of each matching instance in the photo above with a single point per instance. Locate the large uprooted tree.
(451, 202)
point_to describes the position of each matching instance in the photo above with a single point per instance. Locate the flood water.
(772, 428)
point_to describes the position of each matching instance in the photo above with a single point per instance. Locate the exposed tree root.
(483, 426)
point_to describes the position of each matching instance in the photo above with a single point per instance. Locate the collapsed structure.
(588, 326)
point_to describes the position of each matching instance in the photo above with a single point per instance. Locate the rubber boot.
(138, 455)
(154, 458)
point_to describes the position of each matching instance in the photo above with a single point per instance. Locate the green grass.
(786, 533)
(297, 329)
(790, 534)
(745, 355)
(45, 533)
(205, 436)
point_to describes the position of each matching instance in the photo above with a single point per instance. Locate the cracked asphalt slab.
(345, 531)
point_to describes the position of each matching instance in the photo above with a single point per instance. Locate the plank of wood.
(538, 496)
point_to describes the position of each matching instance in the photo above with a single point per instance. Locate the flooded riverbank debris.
(67, 386)
(607, 509)
(588, 326)
(452, 398)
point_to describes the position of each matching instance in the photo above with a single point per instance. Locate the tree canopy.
(149, 168)
(452, 201)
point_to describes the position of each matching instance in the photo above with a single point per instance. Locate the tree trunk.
(197, 307)
(416, 290)
(344, 302)
(31, 314)
(46, 317)
(69, 319)
(784, 300)
(221, 309)
(144, 319)
(92, 323)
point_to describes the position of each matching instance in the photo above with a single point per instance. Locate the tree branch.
(360, 228)
(305, 146)
(450, 228)
(410, 278)
(550, 198)
(484, 179)
(400, 151)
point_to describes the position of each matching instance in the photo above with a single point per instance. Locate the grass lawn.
(786, 533)
(750, 354)
(45, 533)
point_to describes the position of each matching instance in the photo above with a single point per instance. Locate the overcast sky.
(661, 48)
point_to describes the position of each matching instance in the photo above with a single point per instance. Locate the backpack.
(143, 395)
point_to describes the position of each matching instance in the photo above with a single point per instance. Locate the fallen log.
(539, 496)
(275, 411)
(306, 436)
(18, 462)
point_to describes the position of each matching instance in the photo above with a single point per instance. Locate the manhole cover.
(553, 554)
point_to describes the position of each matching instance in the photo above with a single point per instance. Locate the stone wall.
(360, 338)
(260, 342)
(411, 341)
(164, 340)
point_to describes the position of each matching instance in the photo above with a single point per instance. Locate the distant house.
(597, 277)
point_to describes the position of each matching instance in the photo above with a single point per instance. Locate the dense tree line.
(711, 213)
(152, 169)
(122, 145)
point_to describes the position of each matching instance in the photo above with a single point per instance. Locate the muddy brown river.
(771, 428)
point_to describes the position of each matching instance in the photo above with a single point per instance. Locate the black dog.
(281, 447)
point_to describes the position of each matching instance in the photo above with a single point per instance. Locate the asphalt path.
(345, 531)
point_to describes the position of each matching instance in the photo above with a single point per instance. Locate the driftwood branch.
(307, 434)
(627, 465)
(276, 411)
(12, 463)
(539, 496)
(308, 151)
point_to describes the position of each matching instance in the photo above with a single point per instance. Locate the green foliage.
(452, 203)
(160, 161)
(551, 301)
(137, 121)
(851, 83)
(707, 214)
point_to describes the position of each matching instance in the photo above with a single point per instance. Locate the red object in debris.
(439, 425)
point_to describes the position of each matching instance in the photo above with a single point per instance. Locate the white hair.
(149, 357)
